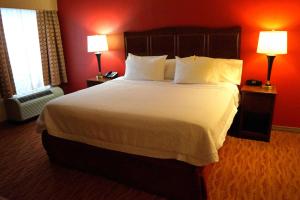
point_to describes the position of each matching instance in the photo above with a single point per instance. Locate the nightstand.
(257, 105)
(94, 81)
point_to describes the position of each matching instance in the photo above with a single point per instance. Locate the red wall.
(81, 18)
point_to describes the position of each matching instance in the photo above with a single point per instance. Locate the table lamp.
(97, 44)
(272, 43)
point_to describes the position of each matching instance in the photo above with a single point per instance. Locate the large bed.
(154, 135)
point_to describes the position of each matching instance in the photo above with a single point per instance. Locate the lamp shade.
(272, 42)
(97, 43)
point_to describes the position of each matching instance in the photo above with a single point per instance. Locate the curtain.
(7, 85)
(53, 62)
(21, 34)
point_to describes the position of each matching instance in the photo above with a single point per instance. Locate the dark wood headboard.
(185, 41)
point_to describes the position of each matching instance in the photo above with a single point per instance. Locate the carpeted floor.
(247, 170)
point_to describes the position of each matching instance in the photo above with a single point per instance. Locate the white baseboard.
(286, 128)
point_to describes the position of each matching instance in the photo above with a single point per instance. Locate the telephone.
(111, 74)
(253, 82)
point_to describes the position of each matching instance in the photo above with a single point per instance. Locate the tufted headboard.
(185, 41)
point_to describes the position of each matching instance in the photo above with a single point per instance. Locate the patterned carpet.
(247, 170)
(257, 170)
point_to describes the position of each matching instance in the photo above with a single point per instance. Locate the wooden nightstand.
(94, 81)
(257, 105)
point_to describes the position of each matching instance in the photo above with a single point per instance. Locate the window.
(21, 34)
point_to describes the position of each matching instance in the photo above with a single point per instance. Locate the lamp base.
(267, 86)
(99, 76)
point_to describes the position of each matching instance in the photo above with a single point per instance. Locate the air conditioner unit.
(25, 107)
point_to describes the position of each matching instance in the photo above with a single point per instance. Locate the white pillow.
(227, 70)
(145, 67)
(171, 65)
(198, 70)
(170, 69)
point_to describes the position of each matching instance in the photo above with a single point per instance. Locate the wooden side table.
(94, 81)
(257, 106)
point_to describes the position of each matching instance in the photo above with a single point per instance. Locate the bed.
(156, 142)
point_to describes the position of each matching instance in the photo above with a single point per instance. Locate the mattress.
(159, 119)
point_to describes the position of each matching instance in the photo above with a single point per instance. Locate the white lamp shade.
(272, 42)
(97, 43)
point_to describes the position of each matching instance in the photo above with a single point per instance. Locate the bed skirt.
(168, 178)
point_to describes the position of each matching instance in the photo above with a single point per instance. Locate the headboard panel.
(185, 41)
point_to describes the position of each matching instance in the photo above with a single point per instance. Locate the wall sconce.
(97, 44)
(272, 43)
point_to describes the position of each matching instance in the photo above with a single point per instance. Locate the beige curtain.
(53, 62)
(7, 85)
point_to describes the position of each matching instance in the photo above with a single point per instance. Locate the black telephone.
(111, 74)
(253, 82)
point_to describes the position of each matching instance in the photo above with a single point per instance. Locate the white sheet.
(159, 119)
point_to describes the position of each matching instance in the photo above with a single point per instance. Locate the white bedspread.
(187, 122)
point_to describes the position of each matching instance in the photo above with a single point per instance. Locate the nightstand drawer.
(257, 102)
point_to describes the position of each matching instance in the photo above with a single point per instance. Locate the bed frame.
(169, 178)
